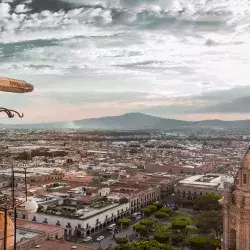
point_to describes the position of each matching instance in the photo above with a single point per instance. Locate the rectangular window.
(244, 179)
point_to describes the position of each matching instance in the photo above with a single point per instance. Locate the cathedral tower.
(236, 210)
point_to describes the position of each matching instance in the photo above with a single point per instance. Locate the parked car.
(112, 226)
(100, 238)
(87, 239)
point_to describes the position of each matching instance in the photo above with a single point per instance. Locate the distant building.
(194, 186)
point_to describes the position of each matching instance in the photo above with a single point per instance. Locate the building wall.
(192, 192)
(86, 226)
(144, 198)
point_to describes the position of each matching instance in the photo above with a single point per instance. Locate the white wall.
(52, 219)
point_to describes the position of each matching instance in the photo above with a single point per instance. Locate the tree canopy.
(146, 211)
(203, 243)
(140, 228)
(161, 215)
(144, 245)
(152, 208)
(124, 221)
(209, 221)
(158, 204)
(162, 234)
(147, 222)
(207, 202)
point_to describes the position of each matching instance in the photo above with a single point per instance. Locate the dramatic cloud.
(22, 8)
(96, 58)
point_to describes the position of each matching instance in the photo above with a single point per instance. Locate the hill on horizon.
(132, 121)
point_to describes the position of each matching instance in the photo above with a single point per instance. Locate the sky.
(183, 59)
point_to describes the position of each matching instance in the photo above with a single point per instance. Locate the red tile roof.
(62, 245)
(37, 226)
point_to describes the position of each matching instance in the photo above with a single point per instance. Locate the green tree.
(161, 215)
(166, 210)
(187, 203)
(124, 221)
(203, 243)
(158, 204)
(162, 234)
(207, 202)
(147, 222)
(121, 240)
(146, 211)
(180, 221)
(144, 245)
(139, 228)
(152, 208)
(209, 221)
(177, 239)
(179, 224)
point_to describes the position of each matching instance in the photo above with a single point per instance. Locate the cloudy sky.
(185, 59)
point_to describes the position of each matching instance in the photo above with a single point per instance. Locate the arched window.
(244, 179)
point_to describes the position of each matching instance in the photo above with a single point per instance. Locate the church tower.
(236, 210)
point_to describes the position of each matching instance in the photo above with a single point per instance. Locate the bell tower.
(236, 210)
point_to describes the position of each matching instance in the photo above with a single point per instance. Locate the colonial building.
(194, 186)
(236, 210)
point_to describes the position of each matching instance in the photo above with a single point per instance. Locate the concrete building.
(194, 186)
(81, 220)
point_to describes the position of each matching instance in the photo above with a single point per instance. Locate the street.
(108, 240)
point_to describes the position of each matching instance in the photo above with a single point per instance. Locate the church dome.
(10, 231)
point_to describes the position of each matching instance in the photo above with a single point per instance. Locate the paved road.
(109, 240)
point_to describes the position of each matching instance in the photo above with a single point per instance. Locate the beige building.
(194, 186)
(236, 210)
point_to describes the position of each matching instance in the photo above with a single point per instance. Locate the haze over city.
(177, 59)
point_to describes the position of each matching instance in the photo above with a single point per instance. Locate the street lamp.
(6, 226)
(11, 205)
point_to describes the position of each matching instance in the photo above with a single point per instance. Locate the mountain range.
(133, 121)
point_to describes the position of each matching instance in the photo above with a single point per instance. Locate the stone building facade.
(236, 210)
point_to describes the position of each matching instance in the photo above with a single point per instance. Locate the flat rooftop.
(209, 180)
(36, 226)
(21, 234)
(62, 245)
(31, 171)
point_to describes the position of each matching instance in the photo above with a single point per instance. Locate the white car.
(100, 238)
(134, 215)
(87, 239)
